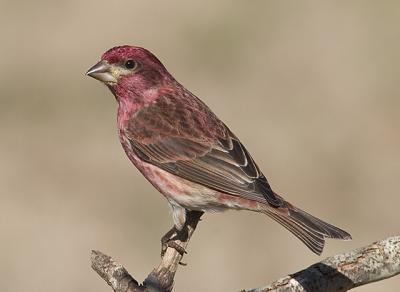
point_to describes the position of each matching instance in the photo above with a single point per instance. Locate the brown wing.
(190, 142)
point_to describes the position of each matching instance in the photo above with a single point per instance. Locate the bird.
(187, 153)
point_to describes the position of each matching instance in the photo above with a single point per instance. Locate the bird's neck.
(131, 101)
(140, 90)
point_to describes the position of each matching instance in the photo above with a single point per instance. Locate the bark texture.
(377, 261)
(161, 279)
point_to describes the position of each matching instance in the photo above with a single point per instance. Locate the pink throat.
(135, 92)
(129, 103)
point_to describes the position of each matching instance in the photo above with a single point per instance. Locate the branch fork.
(161, 279)
(375, 262)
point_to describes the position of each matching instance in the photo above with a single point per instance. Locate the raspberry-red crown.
(122, 53)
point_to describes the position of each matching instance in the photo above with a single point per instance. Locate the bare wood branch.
(342, 272)
(113, 273)
(161, 279)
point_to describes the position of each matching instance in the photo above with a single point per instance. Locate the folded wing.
(175, 139)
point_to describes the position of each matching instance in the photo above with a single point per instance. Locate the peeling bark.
(161, 279)
(342, 272)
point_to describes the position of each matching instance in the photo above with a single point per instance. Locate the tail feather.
(309, 229)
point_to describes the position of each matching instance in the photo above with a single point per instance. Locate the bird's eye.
(130, 64)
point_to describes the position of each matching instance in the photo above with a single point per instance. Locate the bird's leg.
(168, 241)
(171, 238)
(175, 236)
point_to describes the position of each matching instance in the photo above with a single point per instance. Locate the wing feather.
(211, 156)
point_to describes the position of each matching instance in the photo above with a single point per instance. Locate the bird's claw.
(164, 246)
(172, 244)
(177, 247)
(168, 241)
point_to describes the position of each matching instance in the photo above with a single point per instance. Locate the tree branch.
(161, 279)
(342, 272)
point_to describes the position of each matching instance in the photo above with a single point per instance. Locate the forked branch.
(161, 279)
(377, 261)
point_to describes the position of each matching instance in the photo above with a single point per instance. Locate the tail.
(309, 229)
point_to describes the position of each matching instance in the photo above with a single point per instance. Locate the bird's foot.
(177, 247)
(168, 240)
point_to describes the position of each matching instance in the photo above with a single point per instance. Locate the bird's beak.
(102, 72)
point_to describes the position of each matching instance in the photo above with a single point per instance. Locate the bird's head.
(129, 68)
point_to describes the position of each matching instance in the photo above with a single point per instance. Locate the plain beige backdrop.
(311, 88)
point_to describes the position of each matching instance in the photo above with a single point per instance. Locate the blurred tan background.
(311, 87)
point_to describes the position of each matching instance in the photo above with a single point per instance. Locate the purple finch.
(187, 153)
